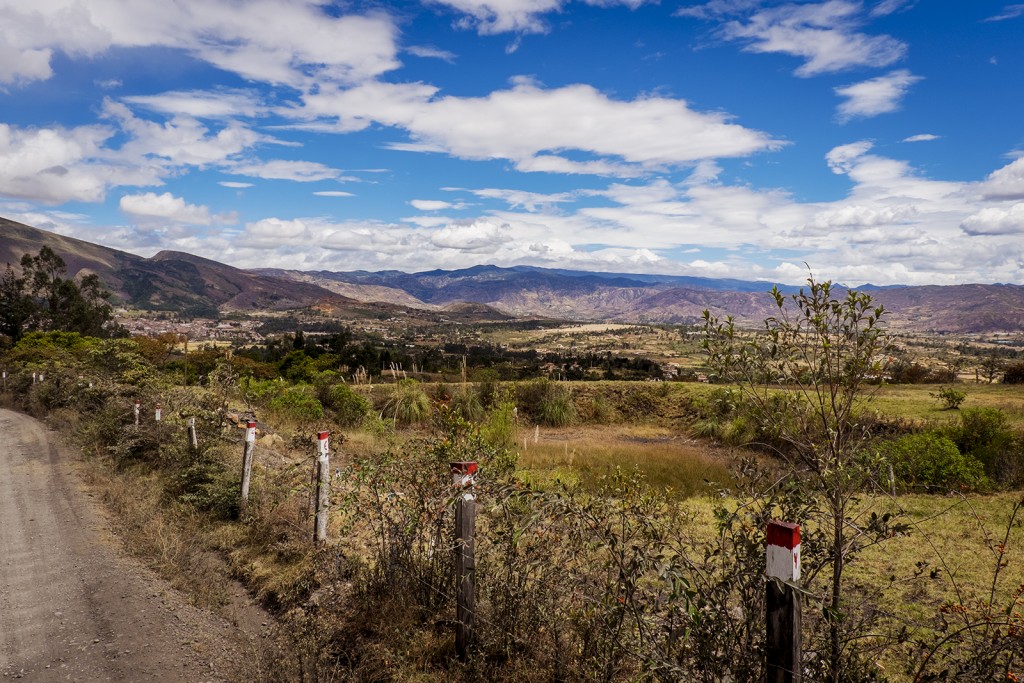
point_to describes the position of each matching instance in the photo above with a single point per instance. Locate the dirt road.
(72, 608)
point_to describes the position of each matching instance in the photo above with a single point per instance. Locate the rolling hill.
(195, 286)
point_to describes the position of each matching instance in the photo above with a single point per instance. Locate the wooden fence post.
(138, 406)
(192, 436)
(782, 604)
(465, 557)
(323, 489)
(247, 457)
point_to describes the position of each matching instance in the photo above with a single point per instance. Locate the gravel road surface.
(74, 608)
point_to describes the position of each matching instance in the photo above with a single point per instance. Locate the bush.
(298, 404)
(409, 404)
(985, 433)
(950, 397)
(547, 403)
(1014, 374)
(350, 408)
(930, 461)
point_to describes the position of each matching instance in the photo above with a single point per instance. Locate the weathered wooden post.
(157, 413)
(323, 489)
(782, 603)
(192, 436)
(138, 406)
(33, 377)
(247, 456)
(463, 474)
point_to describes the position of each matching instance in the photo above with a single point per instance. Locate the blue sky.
(878, 141)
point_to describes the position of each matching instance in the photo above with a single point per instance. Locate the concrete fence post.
(323, 489)
(783, 617)
(138, 406)
(248, 453)
(192, 436)
(158, 412)
(463, 474)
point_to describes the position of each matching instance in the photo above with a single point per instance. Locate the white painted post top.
(250, 431)
(321, 438)
(463, 473)
(783, 560)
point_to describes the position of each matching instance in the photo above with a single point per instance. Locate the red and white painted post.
(248, 452)
(158, 412)
(463, 475)
(782, 603)
(138, 406)
(323, 489)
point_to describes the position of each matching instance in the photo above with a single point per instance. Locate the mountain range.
(195, 286)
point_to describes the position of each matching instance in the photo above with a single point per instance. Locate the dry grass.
(582, 455)
(914, 402)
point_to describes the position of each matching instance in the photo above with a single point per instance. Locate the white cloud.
(529, 201)
(1009, 12)
(281, 169)
(887, 7)
(181, 141)
(57, 165)
(1006, 182)
(430, 52)
(490, 17)
(431, 204)
(477, 236)
(875, 96)
(922, 137)
(333, 193)
(824, 34)
(202, 104)
(234, 185)
(840, 159)
(532, 127)
(171, 208)
(996, 221)
(274, 41)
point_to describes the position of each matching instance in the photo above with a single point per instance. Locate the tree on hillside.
(42, 298)
(803, 376)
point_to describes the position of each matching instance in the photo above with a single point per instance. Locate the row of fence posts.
(37, 378)
(783, 615)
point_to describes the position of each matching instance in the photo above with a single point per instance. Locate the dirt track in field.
(74, 608)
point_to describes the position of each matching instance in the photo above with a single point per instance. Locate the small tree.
(803, 377)
(951, 398)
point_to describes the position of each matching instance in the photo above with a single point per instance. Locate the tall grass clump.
(349, 408)
(547, 403)
(408, 404)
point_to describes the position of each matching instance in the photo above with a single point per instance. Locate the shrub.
(466, 403)
(298, 404)
(350, 408)
(547, 403)
(985, 433)
(409, 404)
(1014, 374)
(499, 429)
(930, 461)
(950, 397)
